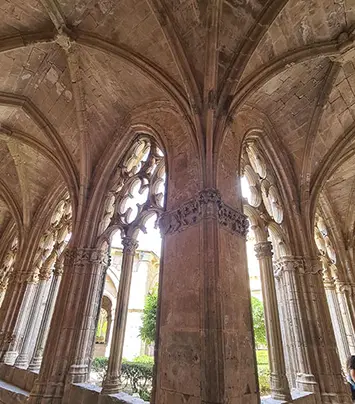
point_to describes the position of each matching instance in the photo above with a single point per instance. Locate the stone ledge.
(21, 378)
(11, 394)
(299, 397)
(84, 393)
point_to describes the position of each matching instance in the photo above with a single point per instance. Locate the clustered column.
(36, 360)
(336, 292)
(66, 356)
(316, 359)
(111, 383)
(25, 286)
(278, 380)
(22, 361)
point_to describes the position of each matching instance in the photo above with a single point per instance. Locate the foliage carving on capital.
(129, 245)
(7, 267)
(26, 277)
(58, 267)
(263, 249)
(208, 203)
(299, 265)
(3, 285)
(342, 287)
(85, 256)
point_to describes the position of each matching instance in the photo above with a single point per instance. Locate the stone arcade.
(174, 102)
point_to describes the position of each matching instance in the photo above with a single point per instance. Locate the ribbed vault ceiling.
(72, 70)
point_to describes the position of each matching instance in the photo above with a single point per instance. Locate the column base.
(35, 364)
(111, 385)
(279, 388)
(78, 374)
(22, 362)
(9, 357)
(307, 382)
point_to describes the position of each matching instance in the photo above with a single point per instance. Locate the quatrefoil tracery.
(264, 193)
(137, 190)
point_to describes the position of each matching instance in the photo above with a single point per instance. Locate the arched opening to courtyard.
(123, 355)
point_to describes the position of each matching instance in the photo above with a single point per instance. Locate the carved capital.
(58, 267)
(342, 287)
(85, 256)
(263, 249)
(32, 277)
(299, 265)
(3, 285)
(207, 203)
(44, 275)
(129, 245)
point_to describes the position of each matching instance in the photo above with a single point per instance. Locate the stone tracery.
(75, 77)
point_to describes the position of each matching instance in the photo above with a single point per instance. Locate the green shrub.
(144, 359)
(262, 357)
(149, 318)
(264, 381)
(99, 364)
(258, 322)
(136, 376)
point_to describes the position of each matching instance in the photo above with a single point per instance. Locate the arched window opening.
(266, 242)
(7, 267)
(131, 211)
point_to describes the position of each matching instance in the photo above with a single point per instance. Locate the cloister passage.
(119, 117)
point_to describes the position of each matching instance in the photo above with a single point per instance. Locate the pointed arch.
(13, 205)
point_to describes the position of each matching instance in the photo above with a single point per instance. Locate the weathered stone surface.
(79, 80)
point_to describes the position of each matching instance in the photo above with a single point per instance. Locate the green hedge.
(136, 377)
(139, 373)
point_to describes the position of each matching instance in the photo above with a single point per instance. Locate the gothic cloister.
(173, 103)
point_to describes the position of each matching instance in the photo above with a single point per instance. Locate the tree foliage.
(149, 318)
(259, 322)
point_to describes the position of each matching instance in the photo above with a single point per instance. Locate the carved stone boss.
(207, 203)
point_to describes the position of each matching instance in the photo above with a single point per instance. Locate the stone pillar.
(110, 333)
(36, 360)
(279, 384)
(335, 311)
(35, 314)
(337, 321)
(205, 345)
(343, 291)
(14, 313)
(286, 330)
(111, 383)
(66, 357)
(317, 363)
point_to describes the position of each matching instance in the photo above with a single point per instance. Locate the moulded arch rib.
(55, 139)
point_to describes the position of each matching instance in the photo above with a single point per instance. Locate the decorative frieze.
(207, 203)
(300, 265)
(25, 277)
(85, 256)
